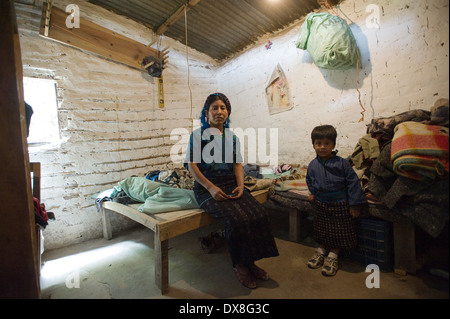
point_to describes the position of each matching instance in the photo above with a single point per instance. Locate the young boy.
(336, 195)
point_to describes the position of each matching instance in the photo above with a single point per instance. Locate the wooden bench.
(165, 226)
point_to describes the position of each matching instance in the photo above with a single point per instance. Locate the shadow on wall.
(348, 79)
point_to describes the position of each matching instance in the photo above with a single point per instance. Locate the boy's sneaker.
(316, 261)
(330, 266)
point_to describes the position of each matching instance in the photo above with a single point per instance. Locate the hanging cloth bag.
(329, 41)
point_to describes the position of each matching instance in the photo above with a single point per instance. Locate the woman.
(214, 160)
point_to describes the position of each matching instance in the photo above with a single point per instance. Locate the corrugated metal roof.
(218, 28)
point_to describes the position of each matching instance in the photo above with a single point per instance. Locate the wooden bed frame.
(165, 226)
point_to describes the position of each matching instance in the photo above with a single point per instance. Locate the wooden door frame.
(19, 271)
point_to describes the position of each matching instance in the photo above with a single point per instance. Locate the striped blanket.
(420, 151)
(284, 185)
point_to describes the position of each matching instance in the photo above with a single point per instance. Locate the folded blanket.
(419, 151)
(303, 193)
(255, 184)
(298, 184)
(157, 197)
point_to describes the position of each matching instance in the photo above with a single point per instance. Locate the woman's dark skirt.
(333, 226)
(247, 228)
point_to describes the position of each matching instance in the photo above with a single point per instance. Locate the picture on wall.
(277, 92)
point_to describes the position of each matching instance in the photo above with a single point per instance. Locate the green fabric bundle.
(329, 41)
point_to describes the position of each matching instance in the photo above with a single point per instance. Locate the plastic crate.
(375, 243)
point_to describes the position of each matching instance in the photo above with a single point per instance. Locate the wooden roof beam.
(94, 39)
(176, 16)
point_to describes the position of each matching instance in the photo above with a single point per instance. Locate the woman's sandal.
(245, 278)
(258, 272)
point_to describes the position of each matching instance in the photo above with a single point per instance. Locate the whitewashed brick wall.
(112, 126)
(110, 120)
(405, 66)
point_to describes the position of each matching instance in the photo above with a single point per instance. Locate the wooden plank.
(132, 213)
(96, 39)
(35, 168)
(261, 195)
(405, 246)
(184, 224)
(176, 16)
(19, 263)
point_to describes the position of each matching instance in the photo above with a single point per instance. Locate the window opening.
(40, 94)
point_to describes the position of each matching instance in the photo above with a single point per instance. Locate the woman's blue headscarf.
(211, 98)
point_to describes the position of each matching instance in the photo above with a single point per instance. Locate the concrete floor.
(122, 268)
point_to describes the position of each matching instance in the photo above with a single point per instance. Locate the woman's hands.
(218, 194)
(237, 192)
(355, 211)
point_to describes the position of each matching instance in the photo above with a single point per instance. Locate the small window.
(40, 94)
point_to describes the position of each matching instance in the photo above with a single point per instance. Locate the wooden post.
(405, 246)
(161, 263)
(19, 264)
(36, 170)
(106, 221)
(295, 225)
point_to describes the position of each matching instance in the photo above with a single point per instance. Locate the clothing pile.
(284, 178)
(252, 170)
(255, 180)
(255, 184)
(40, 214)
(281, 168)
(177, 177)
(291, 191)
(408, 172)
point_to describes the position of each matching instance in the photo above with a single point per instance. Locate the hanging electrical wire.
(326, 4)
(357, 89)
(187, 56)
